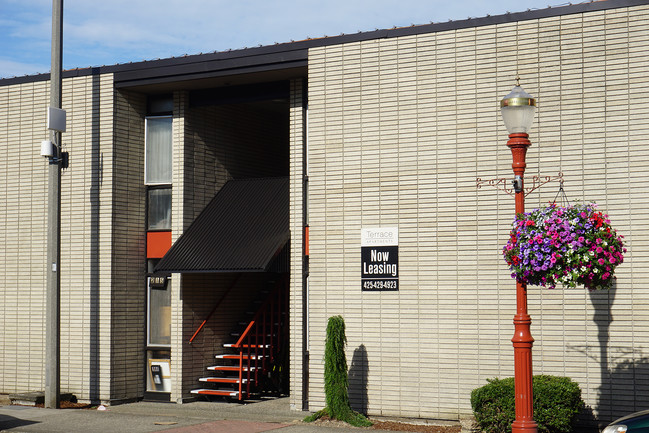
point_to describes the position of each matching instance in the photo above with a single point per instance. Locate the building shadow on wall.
(96, 180)
(624, 384)
(624, 371)
(358, 373)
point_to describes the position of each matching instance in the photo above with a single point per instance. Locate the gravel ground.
(394, 426)
(398, 426)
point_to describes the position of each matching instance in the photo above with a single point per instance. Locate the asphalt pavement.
(144, 417)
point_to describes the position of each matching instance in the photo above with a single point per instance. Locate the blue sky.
(107, 32)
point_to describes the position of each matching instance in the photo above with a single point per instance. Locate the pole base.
(524, 427)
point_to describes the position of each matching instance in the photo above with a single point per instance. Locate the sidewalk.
(198, 417)
(144, 417)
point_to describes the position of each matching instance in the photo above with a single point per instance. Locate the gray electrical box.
(56, 118)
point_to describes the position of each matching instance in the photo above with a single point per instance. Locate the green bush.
(557, 402)
(336, 382)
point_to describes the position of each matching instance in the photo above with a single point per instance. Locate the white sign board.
(386, 236)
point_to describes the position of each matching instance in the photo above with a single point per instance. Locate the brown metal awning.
(242, 229)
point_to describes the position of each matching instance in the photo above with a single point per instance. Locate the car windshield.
(637, 424)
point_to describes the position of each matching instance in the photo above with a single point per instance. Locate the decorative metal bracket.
(502, 184)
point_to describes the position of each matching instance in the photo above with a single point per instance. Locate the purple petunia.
(572, 245)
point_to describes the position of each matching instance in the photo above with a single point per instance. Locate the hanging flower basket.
(573, 245)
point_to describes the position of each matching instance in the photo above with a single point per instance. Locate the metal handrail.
(268, 308)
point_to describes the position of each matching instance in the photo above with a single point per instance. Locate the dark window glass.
(159, 209)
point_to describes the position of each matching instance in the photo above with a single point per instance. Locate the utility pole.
(53, 267)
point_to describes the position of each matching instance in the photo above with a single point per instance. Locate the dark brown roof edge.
(294, 53)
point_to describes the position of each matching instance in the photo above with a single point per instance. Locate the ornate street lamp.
(518, 113)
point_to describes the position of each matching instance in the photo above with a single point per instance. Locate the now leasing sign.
(380, 258)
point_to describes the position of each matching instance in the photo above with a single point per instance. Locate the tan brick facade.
(297, 214)
(396, 131)
(399, 130)
(87, 354)
(128, 297)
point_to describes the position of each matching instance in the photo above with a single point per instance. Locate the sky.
(108, 32)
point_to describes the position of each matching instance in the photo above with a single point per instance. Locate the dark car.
(637, 422)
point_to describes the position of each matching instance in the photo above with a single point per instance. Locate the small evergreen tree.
(336, 383)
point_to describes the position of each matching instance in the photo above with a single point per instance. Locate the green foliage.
(557, 402)
(315, 416)
(336, 382)
(493, 405)
(335, 368)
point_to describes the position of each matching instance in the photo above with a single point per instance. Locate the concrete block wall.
(127, 309)
(399, 130)
(85, 236)
(226, 142)
(179, 222)
(297, 222)
(23, 216)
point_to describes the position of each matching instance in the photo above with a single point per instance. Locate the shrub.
(336, 382)
(557, 402)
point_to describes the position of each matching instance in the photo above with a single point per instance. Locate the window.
(159, 209)
(158, 178)
(159, 317)
(158, 151)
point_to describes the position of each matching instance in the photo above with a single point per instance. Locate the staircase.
(247, 368)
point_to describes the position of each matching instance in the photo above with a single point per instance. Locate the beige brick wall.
(127, 306)
(23, 232)
(85, 237)
(226, 142)
(399, 129)
(179, 223)
(297, 172)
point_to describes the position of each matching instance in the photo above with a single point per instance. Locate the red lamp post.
(518, 113)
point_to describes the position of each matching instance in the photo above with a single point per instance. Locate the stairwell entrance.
(232, 267)
(256, 360)
(233, 212)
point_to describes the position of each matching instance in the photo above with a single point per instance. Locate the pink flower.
(601, 261)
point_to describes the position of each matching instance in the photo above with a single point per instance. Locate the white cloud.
(11, 68)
